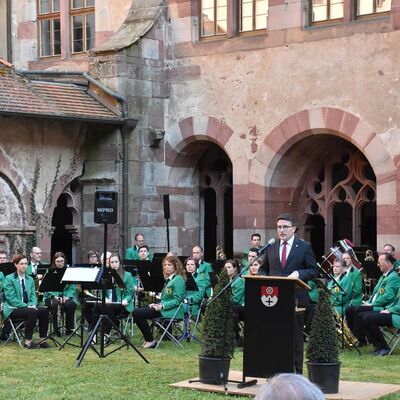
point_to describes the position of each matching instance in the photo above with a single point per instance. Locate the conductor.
(294, 258)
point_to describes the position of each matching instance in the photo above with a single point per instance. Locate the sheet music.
(78, 274)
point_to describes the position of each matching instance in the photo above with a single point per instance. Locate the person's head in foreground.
(289, 387)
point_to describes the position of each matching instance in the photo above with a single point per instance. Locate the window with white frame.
(49, 27)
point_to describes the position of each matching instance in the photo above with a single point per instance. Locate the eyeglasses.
(283, 227)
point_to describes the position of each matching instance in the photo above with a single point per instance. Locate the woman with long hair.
(64, 301)
(171, 297)
(21, 302)
(118, 302)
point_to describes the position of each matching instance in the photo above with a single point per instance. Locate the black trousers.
(31, 315)
(113, 311)
(371, 321)
(140, 316)
(354, 318)
(238, 315)
(68, 308)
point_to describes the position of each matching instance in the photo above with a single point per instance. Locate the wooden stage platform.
(347, 390)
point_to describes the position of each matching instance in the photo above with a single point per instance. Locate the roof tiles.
(19, 95)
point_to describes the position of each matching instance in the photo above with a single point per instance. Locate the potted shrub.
(218, 337)
(323, 347)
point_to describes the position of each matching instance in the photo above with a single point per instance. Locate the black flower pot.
(214, 371)
(324, 375)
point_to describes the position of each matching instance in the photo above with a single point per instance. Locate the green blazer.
(13, 293)
(313, 293)
(204, 267)
(238, 292)
(132, 254)
(357, 284)
(338, 296)
(171, 297)
(385, 291)
(127, 293)
(1, 280)
(195, 297)
(70, 290)
(394, 309)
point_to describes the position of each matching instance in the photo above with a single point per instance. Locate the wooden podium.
(269, 325)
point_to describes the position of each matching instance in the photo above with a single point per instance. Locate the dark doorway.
(368, 225)
(228, 211)
(61, 239)
(342, 222)
(216, 209)
(210, 224)
(316, 226)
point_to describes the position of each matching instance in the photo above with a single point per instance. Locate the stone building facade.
(236, 127)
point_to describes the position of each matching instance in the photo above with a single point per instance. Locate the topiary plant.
(218, 325)
(323, 344)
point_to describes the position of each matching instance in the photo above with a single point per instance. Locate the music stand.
(106, 283)
(7, 268)
(87, 276)
(150, 273)
(51, 282)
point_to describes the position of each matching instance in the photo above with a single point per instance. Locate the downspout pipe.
(9, 32)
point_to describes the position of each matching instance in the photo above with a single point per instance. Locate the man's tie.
(283, 257)
(24, 292)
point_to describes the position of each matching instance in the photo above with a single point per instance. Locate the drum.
(346, 248)
(327, 261)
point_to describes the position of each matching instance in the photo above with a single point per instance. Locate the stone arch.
(322, 120)
(193, 129)
(188, 141)
(17, 185)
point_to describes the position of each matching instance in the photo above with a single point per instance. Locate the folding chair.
(17, 331)
(164, 327)
(127, 323)
(392, 336)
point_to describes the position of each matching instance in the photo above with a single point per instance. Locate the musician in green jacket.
(119, 302)
(389, 316)
(197, 253)
(63, 302)
(356, 278)
(132, 253)
(21, 302)
(1, 281)
(194, 298)
(382, 296)
(171, 299)
(340, 296)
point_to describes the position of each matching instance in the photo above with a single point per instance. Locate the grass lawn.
(51, 374)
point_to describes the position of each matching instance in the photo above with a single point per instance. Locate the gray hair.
(289, 386)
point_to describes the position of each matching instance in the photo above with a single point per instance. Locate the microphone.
(262, 250)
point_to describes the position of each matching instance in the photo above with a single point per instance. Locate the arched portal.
(66, 223)
(330, 185)
(215, 184)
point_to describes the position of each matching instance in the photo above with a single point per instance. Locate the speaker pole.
(167, 216)
(168, 235)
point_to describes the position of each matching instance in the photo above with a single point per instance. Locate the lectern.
(269, 325)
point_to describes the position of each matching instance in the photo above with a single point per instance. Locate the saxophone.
(346, 333)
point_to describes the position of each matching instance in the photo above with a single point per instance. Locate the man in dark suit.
(294, 258)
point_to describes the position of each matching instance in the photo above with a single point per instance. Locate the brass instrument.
(220, 254)
(369, 256)
(346, 334)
